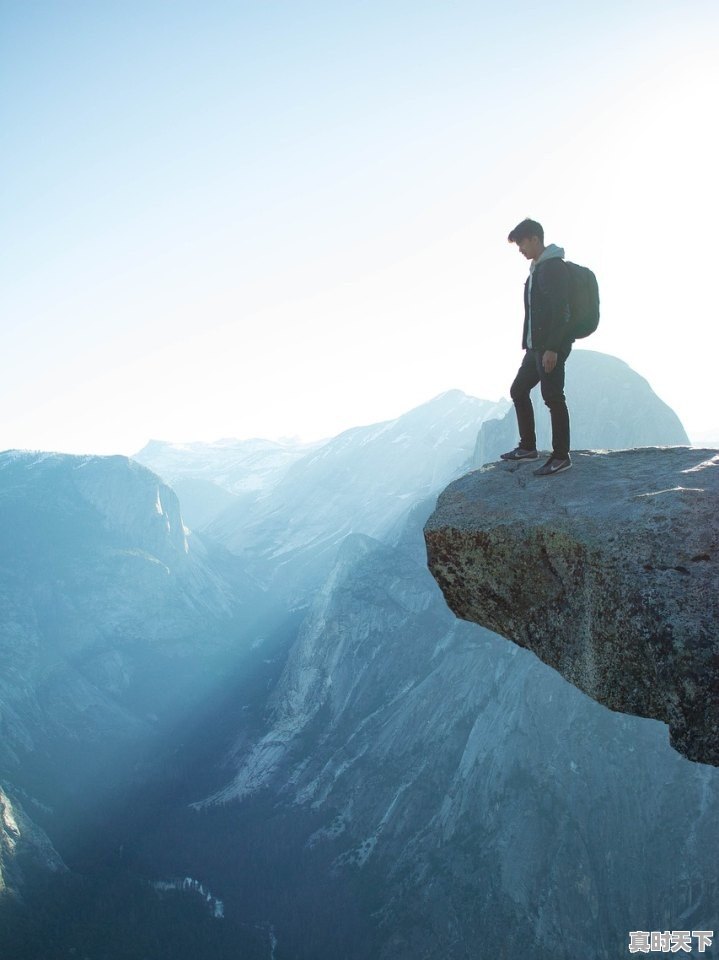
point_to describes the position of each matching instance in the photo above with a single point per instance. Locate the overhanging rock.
(608, 572)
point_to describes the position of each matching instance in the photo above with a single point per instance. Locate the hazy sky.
(271, 218)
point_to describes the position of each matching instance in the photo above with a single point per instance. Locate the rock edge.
(607, 572)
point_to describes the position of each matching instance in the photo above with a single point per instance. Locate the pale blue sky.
(268, 218)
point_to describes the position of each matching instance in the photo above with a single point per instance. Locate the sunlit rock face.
(107, 606)
(607, 572)
(610, 405)
(24, 847)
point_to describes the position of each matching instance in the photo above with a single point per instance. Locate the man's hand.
(549, 360)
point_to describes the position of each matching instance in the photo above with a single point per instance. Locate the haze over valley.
(225, 738)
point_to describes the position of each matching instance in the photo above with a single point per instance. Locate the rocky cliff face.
(463, 790)
(113, 619)
(609, 573)
(23, 846)
(122, 637)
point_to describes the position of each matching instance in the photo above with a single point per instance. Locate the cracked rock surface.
(607, 572)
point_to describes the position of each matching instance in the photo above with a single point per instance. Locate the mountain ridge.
(416, 776)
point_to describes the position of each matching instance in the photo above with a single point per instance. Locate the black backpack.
(583, 301)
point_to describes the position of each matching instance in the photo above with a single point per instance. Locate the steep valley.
(281, 708)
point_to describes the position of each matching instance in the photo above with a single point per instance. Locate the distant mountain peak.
(130, 500)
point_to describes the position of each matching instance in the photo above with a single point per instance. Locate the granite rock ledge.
(607, 572)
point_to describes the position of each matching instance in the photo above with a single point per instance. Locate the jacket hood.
(551, 252)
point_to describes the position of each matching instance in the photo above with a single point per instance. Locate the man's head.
(529, 237)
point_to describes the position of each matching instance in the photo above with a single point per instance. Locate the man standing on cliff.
(547, 344)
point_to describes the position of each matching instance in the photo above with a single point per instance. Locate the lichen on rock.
(608, 572)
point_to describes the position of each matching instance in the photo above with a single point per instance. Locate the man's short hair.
(526, 230)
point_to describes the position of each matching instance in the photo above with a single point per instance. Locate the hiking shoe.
(552, 466)
(519, 454)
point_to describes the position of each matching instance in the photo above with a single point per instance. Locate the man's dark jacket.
(550, 305)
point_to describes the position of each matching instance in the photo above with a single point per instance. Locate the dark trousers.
(530, 374)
